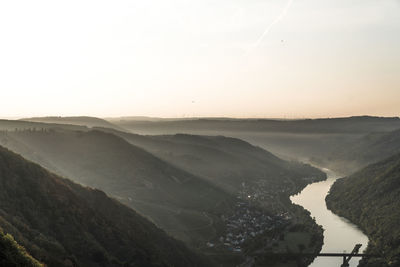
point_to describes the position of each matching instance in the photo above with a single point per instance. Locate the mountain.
(370, 198)
(368, 149)
(184, 205)
(61, 223)
(78, 120)
(224, 161)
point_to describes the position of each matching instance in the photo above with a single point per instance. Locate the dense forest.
(61, 223)
(174, 199)
(371, 199)
(12, 254)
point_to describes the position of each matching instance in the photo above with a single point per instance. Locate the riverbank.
(287, 229)
(339, 234)
(371, 198)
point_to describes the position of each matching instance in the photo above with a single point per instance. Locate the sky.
(186, 58)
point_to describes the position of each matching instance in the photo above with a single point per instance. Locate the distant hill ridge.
(76, 120)
(357, 124)
(19, 125)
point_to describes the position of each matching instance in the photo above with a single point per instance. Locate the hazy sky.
(237, 58)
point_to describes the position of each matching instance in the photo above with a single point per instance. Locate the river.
(339, 235)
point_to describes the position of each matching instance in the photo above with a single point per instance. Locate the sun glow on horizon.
(188, 58)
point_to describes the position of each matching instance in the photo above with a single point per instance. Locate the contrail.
(268, 29)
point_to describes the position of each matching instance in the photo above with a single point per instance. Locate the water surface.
(339, 235)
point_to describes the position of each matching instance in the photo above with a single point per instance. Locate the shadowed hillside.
(184, 205)
(64, 224)
(191, 207)
(312, 140)
(227, 162)
(371, 199)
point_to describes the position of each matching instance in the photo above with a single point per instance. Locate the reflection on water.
(339, 235)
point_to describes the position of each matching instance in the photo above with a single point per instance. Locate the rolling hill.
(224, 161)
(184, 205)
(19, 125)
(309, 140)
(360, 124)
(61, 223)
(371, 199)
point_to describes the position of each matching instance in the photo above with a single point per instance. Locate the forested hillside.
(12, 254)
(324, 142)
(61, 223)
(227, 162)
(180, 183)
(371, 199)
(184, 205)
(19, 125)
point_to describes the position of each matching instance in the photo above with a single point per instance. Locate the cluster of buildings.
(263, 191)
(248, 220)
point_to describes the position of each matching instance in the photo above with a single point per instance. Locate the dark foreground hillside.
(64, 224)
(371, 199)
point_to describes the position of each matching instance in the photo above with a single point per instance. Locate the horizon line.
(196, 117)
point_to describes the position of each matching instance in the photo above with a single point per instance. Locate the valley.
(244, 198)
(224, 197)
(200, 133)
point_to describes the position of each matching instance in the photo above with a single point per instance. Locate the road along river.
(339, 234)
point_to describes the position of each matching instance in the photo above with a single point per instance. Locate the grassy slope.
(62, 223)
(371, 199)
